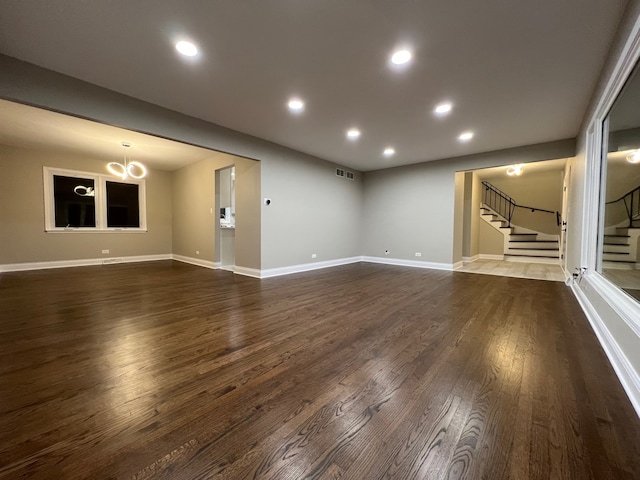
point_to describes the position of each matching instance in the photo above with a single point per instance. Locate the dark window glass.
(123, 208)
(75, 201)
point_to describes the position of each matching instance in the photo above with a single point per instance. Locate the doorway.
(226, 212)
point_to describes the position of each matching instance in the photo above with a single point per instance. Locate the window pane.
(123, 209)
(75, 203)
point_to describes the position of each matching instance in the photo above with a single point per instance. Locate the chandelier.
(128, 168)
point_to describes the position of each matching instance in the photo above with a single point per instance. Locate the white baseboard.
(628, 376)
(84, 262)
(196, 261)
(470, 259)
(488, 256)
(458, 265)
(247, 272)
(409, 263)
(305, 267)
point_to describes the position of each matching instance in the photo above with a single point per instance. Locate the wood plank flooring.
(168, 371)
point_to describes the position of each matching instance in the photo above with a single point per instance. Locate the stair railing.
(504, 205)
(498, 201)
(631, 204)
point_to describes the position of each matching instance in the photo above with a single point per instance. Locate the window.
(123, 210)
(89, 202)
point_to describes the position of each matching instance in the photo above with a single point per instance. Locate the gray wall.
(312, 211)
(22, 235)
(411, 209)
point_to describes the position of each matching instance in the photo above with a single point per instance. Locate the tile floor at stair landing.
(536, 271)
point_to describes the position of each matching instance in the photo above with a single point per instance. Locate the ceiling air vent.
(350, 176)
(340, 172)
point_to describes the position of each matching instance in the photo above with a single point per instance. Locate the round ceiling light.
(187, 49)
(295, 105)
(443, 109)
(389, 152)
(465, 136)
(353, 134)
(400, 57)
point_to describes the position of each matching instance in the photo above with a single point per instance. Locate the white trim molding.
(84, 262)
(628, 376)
(470, 259)
(306, 267)
(195, 261)
(247, 272)
(625, 307)
(487, 256)
(409, 263)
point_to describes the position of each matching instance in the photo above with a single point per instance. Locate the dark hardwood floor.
(165, 370)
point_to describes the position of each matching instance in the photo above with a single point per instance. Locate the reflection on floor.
(627, 280)
(536, 271)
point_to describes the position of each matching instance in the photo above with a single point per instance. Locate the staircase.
(620, 244)
(620, 248)
(521, 244)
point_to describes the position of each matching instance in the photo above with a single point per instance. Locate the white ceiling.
(25, 126)
(519, 72)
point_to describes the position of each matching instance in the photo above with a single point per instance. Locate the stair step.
(533, 241)
(535, 248)
(616, 248)
(527, 259)
(533, 253)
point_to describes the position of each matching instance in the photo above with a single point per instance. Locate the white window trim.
(627, 308)
(100, 182)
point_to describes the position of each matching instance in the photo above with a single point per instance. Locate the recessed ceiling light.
(465, 136)
(443, 109)
(400, 57)
(389, 152)
(353, 133)
(187, 48)
(295, 105)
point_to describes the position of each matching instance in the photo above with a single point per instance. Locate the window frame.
(100, 182)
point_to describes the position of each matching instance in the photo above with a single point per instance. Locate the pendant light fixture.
(128, 169)
(515, 170)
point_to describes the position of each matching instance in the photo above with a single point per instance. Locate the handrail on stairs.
(631, 201)
(504, 205)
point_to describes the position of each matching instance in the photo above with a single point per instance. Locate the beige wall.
(490, 240)
(195, 213)
(471, 226)
(22, 235)
(533, 189)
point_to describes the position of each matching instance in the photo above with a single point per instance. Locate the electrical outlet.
(418, 254)
(197, 252)
(313, 255)
(105, 251)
